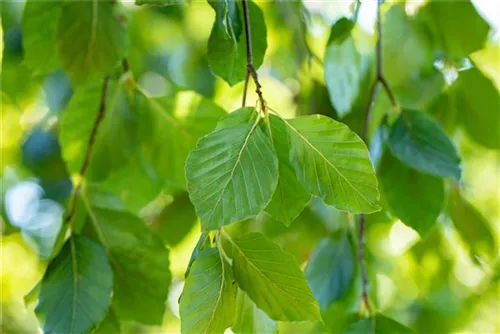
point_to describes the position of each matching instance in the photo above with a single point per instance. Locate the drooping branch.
(251, 71)
(88, 152)
(379, 78)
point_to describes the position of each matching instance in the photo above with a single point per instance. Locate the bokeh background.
(432, 284)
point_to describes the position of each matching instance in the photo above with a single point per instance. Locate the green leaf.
(231, 175)
(39, 26)
(478, 104)
(203, 242)
(272, 279)
(91, 39)
(345, 67)
(169, 129)
(418, 141)
(290, 196)
(456, 38)
(415, 198)
(378, 324)
(110, 324)
(116, 139)
(175, 220)
(227, 44)
(406, 49)
(208, 299)
(76, 289)
(472, 226)
(330, 270)
(157, 2)
(140, 263)
(332, 162)
(250, 319)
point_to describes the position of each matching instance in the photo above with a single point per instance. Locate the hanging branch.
(379, 78)
(88, 152)
(251, 71)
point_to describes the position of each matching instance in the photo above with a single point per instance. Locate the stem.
(362, 264)
(88, 152)
(251, 71)
(379, 78)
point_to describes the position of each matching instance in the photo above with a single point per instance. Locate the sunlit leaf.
(116, 138)
(39, 26)
(478, 106)
(330, 270)
(272, 279)
(157, 2)
(91, 39)
(232, 174)
(406, 49)
(169, 129)
(472, 226)
(76, 289)
(332, 162)
(208, 299)
(251, 319)
(290, 196)
(418, 141)
(455, 38)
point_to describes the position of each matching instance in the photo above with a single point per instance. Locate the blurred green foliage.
(432, 251)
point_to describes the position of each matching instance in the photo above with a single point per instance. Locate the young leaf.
(478, 104)
(290, 197)
(231, 175)
(76, 289)
(272, 279)
(91, 39)
(227, 44)
(333, 163)
(39, 26)
(139, 261)
(345, 67)
(418, 141)
(176, 220)
(330, 270)
(456, 38)
(208, 299)
(378, 324)
(473, 228)
(116, 139)
(415, 198)
(251, 319)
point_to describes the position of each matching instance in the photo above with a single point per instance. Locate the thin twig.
(88, 152)
(379, 78)
(355, 14)
(245, 89)
(362, 265)
(251, 71)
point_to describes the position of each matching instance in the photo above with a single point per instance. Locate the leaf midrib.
(245, 143)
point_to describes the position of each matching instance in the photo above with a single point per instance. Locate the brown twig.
(251, 71)
(379, 78)
(88, 152)
(362, 265)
